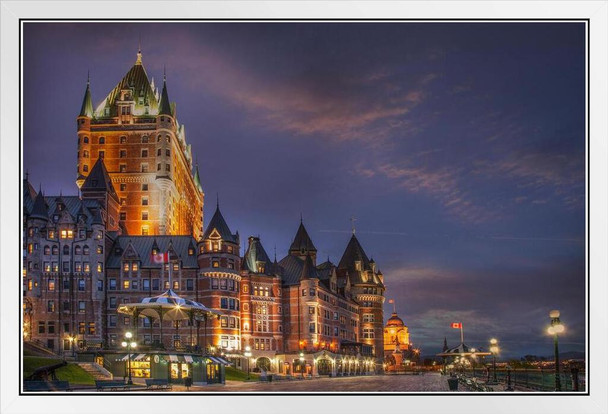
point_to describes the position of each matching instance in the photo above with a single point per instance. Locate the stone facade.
(86, 256)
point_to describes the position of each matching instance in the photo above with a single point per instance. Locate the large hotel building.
(141, 195)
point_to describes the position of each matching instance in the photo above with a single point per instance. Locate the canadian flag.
(457, 325)
(160, 258)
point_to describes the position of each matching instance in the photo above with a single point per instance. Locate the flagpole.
(461, 333)
(169, 261)
(394, 310)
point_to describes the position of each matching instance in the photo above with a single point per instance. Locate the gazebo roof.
(172, 306)
(462, 350)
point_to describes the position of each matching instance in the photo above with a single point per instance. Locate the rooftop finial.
(301, 219)
(27, 175)
(217, 196)
(275, 253)
(138, 61)
(352, 224)
(88, 77)
(164, 73)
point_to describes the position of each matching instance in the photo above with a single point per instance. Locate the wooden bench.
(112, 385)
(46, 386)
(158, 383)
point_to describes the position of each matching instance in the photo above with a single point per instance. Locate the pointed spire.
(197, 179)
(218, 223)
(445, 344)
(165, 105)
(138, 60)
(217, 201)
(302, 241)
(87, 103)
(40, 209)
(308, 269)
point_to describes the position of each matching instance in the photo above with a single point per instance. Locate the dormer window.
(155, 251)
(358, 265)
(190, 251)
(56, 217)
(261, 267)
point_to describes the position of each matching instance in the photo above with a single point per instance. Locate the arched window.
(144, 139)
(167, 152)
(158, 138)
(102, 140)
(168, 167)
(85, 154)
(77, 250)
(85, 140)
(66, 250)
(47, 250)
(85, 168)
(158, 152)
(55, 250)
(85, 250)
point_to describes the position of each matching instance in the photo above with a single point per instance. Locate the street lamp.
(302, 363)
(556, 328)
(247, 356)
(71, 339)
(494, 349)
(129, 345)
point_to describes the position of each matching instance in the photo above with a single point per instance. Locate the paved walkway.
(432, 382)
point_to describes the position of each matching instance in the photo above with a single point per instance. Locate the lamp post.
(302, 363)
(494, 350)
(556, 328)
(71, 339)
(247, 356)
(129, 345)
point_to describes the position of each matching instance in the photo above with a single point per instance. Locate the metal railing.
(534, 379)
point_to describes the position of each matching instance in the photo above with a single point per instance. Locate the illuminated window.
(99, 267)
(47, 266)
(55, 250)
(144, 167)
(51, 285)
(125, 266)
(175, 266)
(99, 249)
(81, 285)
(55, 267)
(303, 292)
(311, 310)
(144, 215)
(123, 201)
(126, 284)
(246, 326)
(135, 266)
(85, 154)
(30, 248)
(175, 285)
(81, 328)
(215, 263)
(224, 322)
(145, 230)
(29, 284)
(102, 140)
(144, 201)
(122, 168)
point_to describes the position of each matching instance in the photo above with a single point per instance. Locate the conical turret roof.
(165, 105)
(40, 209)
(218, 223)
(302, 241)
(99, 179)
(87, 103)
(197, 179)
(354, 252)
(308, 269)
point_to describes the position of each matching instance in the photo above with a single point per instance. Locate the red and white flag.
(457, 325)
(160, 258)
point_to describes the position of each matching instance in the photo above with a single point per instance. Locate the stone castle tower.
(136, 133)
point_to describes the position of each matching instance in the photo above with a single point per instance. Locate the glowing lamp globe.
(554, 314)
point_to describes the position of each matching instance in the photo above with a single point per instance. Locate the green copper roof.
(197, 179)
(87, 104)
(165, 105)
(136, 80)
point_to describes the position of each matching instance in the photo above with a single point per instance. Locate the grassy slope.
(233, 374)
(72, 372)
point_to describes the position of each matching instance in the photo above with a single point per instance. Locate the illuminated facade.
(396, 335)
(85, 256)
(136, 133)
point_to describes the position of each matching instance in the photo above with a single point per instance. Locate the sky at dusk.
(458, 147)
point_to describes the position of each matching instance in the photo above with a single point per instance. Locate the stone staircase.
(96, 371)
